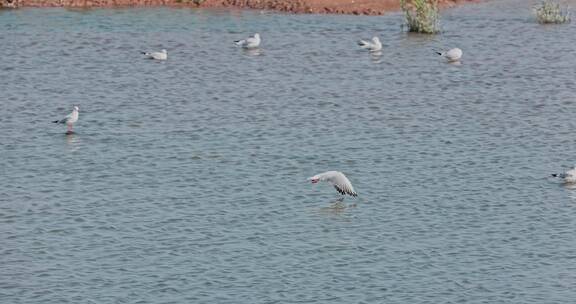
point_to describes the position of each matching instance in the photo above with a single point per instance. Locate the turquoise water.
(185, 181)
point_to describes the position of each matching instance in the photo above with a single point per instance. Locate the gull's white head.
(76, 108)
(164, 51)
(314, 179)
(376, 39)
(257, 36)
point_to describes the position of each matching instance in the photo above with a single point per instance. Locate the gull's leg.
(69, 128)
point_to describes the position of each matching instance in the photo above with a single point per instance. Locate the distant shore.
(356, 7)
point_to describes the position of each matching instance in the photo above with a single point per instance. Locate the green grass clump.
(550, 11)
(421, 16)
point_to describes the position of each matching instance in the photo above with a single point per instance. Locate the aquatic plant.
(549, 11)
(421, 15)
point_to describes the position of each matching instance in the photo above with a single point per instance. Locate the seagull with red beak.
(337, 179)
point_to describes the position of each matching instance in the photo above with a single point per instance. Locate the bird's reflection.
(72, 141)
(376, 56)
(253, 52)
(337, 206)
(571, 187)
(455, 63)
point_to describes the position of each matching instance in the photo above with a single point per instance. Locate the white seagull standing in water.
(452, 54)
(70, 119)
(249, 43)
(373, 46)
(162, 55)
(568, 177)
(337, 179)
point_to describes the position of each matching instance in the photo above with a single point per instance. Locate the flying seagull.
(162, 55)
(452, 54)
(70, 119)
(249, 43)
(373, 45)
(337, 179)
(568, 176)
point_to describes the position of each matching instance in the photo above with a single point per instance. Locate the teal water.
(185, 181)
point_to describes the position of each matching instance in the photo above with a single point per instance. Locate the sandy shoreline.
(356, 7)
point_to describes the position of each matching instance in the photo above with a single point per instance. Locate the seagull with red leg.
(70, 119)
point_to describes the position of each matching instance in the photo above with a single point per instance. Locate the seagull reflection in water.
(253, 52)
(73, 141)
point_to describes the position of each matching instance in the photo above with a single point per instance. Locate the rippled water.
(186, 180)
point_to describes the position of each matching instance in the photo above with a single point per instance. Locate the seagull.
(568, 177)
(452, 54)
(337, 179)
(70, 119)
(249, 43)
(162, 55)
(373, 46)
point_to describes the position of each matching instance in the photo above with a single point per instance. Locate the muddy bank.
(357, 7)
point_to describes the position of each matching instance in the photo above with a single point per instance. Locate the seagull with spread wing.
(337, 179)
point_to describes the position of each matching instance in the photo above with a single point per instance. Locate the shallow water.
(185, 181)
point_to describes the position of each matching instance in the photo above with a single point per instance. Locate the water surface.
(185, 181)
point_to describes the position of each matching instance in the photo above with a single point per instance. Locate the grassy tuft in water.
(549, 11)
(421, 15)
